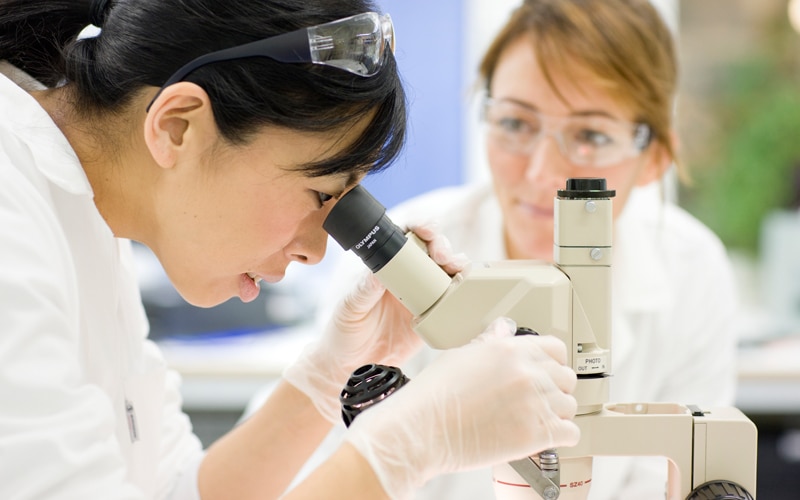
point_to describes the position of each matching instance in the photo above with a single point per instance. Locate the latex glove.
(439, 247)
(496, 399)
(369, 326)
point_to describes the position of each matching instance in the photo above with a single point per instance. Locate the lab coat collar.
(640, 276)
(26, 119)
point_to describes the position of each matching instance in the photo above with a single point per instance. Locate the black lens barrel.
(358, 222)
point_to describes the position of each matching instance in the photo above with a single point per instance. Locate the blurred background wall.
(739, 119)
(739, 122)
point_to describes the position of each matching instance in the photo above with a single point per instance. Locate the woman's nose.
(546, 161)
(308, 246)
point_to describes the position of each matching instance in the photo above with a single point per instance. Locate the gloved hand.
(439, 247)
(496, 399)
(369, 326)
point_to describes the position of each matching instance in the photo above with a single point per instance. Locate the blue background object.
(429, 44)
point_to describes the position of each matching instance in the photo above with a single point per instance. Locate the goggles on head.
(356, 44)
(590, 141)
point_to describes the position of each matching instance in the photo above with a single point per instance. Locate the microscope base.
(715, 445)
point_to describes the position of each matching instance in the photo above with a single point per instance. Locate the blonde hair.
(624, 45)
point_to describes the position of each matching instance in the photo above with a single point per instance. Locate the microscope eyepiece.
(582, 188)
(358, 222)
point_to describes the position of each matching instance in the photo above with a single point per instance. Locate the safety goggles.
(356, 44)
(590, 141)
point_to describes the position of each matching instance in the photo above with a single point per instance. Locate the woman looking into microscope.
(586, 88)
(218, 133)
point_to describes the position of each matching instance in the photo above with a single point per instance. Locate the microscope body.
(709, 450)
(571, 299)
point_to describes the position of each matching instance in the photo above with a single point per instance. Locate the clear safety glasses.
(356, 44)
(590, 141)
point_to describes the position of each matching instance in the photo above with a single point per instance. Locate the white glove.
(496, 399)
(369, 326)
(439, 247)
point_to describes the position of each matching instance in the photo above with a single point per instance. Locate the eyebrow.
(350, 181)
(586, 112)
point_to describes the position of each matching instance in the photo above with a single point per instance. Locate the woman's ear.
(657, 160)
(178, 121)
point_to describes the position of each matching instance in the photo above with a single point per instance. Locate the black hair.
(143, 42)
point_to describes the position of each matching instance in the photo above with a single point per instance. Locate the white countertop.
(226, 373)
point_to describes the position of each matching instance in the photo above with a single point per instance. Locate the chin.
(532, 247)
(203, 298)
(532, 229)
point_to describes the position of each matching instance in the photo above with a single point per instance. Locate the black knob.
(368, 385)
(719, 490)
(581, 188)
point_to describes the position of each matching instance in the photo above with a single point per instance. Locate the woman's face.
(246, 212)
(526, 182)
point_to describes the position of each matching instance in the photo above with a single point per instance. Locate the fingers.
(565, 378)
(564, 433)
(425, 230)
(551, 355)
(439, 248)
(543, 349)
(563, 405)
(550, 345)
(499, 328)
(365, 295)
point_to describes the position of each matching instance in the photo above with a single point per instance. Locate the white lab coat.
(88, 409)
(672, 318)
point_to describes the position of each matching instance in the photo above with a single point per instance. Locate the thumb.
(365, 295)
(564, 433)
(439, 248)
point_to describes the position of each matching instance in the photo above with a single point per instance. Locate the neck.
(116, 166)
(539, 251)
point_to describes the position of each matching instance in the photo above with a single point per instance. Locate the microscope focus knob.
(368, 385)
(719, 490)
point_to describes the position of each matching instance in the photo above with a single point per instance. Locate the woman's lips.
(535, 210)
(257, 278)
(248, 287)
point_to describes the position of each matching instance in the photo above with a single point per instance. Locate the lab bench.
(222, 376)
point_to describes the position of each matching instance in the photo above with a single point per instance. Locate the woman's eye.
(512, 125)
(324, 197)
(593, 138)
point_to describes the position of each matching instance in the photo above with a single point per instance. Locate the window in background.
(429, 53)
(739, 122)
(739, 117)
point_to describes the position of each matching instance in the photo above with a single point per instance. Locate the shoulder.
(687, 231)
(25, 204)
(449, 207)
(674, 233)
(666, 259)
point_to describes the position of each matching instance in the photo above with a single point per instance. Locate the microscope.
(711, 452)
